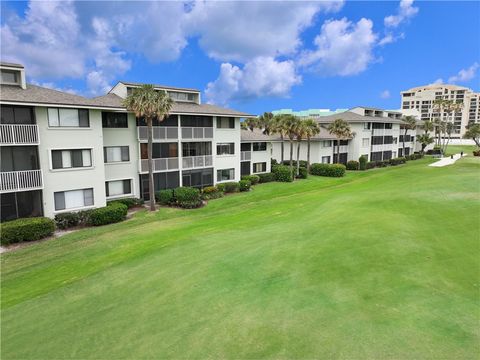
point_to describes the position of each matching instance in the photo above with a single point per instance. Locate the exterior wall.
(317, 150)
(226, 161)
(71, 179)
(262, 156)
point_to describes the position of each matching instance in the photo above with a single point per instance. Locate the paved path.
(447, 160)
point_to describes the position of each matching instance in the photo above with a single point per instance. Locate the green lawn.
(382, 264)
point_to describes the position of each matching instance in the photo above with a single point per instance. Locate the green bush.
(397, 161)
(231, 187)
(211, 192)
(188, 197)
(129, 202)
(370, 165)
(303, 163)
(28, 229)
(273, 162)
(362, 162)
(283, 173)
(254, 179)
(476, 152)
(330, 170)
(165, 197)
(221, 187)
(267, 177)
(244, 185)
(353, 165)
(112, 213)
(302, 173)
(67, 220)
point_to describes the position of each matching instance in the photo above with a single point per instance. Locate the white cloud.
(385, 94)
(406, 11)
(260, 77)
(438, 81)
(390, 38)
(51, 85)
(465, 75)
(342, 48)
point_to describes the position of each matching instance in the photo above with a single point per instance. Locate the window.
(113, 154)
(246, 147)
(388, 125)
(197, 178)
(160, 150)
(118, 187)
(196, 121)
(161, 181)
(259, 146)
(259, 167)
(225, 174)
(171, 121)
(226, 149)
(16, 115)
(342, 142)
(196, 148)
(114, 120)
(225, 123)
(73, 199)
(326, 159)
(377, 140)
(378, 126)
(365, 142)
(376, 156)
(67, 159)
(366, 125)
(388, 139)
(9, 77)
(327, 143)
(68, 117)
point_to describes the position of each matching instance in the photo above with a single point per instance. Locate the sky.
(252, 56)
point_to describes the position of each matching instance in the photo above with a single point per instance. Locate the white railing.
(197, 133)
(18, 134)
(159, 133)
(20, 180)
(161, 164)
(197, 161)
(343, 149)
(245, 155)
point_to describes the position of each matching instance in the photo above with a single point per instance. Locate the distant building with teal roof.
(310, 113)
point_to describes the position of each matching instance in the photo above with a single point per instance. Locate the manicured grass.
(379, 264)
(456, 149)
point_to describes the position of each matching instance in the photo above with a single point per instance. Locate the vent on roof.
(12, 74)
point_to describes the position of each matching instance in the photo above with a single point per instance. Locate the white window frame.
(60, 127)
(132, 188)
(228, 180)
(85, 207)
(121, 161)
(50, 160)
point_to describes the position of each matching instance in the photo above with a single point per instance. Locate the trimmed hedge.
(28, 229)
(244, 185)
(362, 162)
(283, 173)
(267, 177)
(254, 179)
(231, 187)
(302, 173)
(67, 220)
(129, 202)
(476, 152)
(112, 213)
(165, 197)
(397, 161)
(211, 192)
(370, 165)
(353, 165)
(330, 170)
(187, 197)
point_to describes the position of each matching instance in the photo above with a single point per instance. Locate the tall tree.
(149, 103)
(312, 128)
(409, 123)
(265, 122)
(445, 108)
(300, 133)
(277, 127)
(290, 125)
(473, 132)
(425, 139)
(341, 129)
(251, 123)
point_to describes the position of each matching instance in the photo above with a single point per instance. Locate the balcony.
(192, 162)
(19, 134)
(161, 164)
(245, 155)
(196, 133)
(159, 133)
(12, 181)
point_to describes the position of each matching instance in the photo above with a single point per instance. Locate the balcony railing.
(159, 133)
(197, 133)
(20, 180)
(245, 155)
(197, 161)
(19, 134)
(161, 164)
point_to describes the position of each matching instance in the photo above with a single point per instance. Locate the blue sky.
(251, 56)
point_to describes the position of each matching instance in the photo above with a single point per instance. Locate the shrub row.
(392, 162)
(267, 177)
(129, 202)
(283, 173)
(184, 197)
(353, 165)
(254, 179)
(330, 170)
(115, 211)
(211, 192)
(29, 229)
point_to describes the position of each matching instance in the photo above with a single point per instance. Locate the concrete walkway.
(447, 160)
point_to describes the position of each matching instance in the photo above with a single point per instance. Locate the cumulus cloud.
(260, 77)
(342, 48)
(385, 94)
(438, 81)
(465, 75)
(390, 38)
(406, 11)
(51, 85)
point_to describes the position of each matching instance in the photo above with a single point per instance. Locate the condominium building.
(422, 99)
(63, 152)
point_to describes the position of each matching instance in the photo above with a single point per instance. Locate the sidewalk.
(447, 160)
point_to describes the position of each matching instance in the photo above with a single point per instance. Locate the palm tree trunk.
(338, 152)
(151, 190)
(405, 134)
(308, 154)
(298, 157)
(291, 155)
(283, 149)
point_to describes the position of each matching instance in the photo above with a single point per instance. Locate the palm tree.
(300, 133)
(428, 126)
(409, 123)
(265, 122)
(251, 123)
(278, 127)
(341, 129)
(290, 125)
(473, 132)
(149, 103)
(312, 129)
(443, 106)
(424, 139)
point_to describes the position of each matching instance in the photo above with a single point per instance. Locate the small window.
(225, 123)
(114, 120)
(366, 125)
(259, 146)
(226, 149)
(325, 159)
(118, 187)
(113, 154)
(225, 174)
(73, 199)
(68, 117)
(259, 167)
(10, 77)
(67, 159)
(327, 143)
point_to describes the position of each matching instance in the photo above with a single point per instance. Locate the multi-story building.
(63, 152)
(422, 99)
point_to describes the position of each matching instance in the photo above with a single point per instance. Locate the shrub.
(370, 165)
(129, 202)
(336, 170)
(353, 165)
(165, 197)
(112, 213)
(221, 187)
(273, 162)
(244, 185)
(330, 170)
(254, 179)
(476, 152)
(267, 177)
(211, 192)
(283, 173)
(28, 229)
(302, 173)
(231, 187)
(319, 169)
(188, 197)
(67, 220)
(362, 162)
(303, 163)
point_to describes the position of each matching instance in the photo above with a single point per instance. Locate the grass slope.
(379, 264)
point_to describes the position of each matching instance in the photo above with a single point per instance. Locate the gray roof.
(352, 117)
(3, 63)
(132, 83)
(257, 135)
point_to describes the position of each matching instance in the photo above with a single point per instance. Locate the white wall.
(226, 161)
(317, 150)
